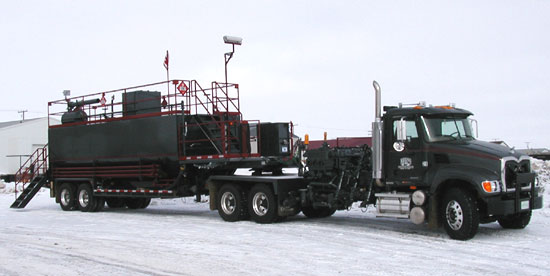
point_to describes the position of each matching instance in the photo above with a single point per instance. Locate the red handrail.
(37, 164)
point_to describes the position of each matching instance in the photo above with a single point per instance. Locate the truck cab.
(432, 151)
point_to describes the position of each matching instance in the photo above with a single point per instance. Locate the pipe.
(378, 99)
(377, 136)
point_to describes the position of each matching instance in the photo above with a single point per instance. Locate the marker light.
(490, 186)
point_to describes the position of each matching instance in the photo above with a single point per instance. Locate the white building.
(19, 139)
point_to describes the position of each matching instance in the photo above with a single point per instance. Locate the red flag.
(166, 60)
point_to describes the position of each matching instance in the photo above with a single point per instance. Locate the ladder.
(35, 171)
(29, 192)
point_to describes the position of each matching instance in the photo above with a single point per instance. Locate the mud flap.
(433, 217)
(213, 191)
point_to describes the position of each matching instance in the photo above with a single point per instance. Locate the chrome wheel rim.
(260, 204)
(228, 203)
(83, 198)
(65, 197)
(455, 215)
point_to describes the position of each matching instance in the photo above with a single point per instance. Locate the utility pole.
(23, 114)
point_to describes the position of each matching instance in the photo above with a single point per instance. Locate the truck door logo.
(405, 164)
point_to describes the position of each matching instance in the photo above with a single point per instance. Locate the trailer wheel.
(86, 201)
(460, 214)
(67, 197)
(134, 203)
(310, 212)
(231, 203)
(262, 204)
(115, 202)
(517, 221)
(145, 203)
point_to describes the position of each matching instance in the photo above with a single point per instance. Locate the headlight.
(490, 186)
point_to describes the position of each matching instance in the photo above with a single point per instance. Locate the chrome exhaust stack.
(377, 137)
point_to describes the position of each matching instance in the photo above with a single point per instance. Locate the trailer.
(424, 164)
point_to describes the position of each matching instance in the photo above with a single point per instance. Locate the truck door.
(404, 159)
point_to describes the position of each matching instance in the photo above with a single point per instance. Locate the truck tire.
(459, 214)
(231, 203)
(310, 212)
(262, 204)
(517, 221)
(115, 202)
(86, 201)
(67, 197)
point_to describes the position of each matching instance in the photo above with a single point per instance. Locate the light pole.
(233, 40)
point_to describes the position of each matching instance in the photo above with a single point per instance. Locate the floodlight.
(66, 93)
(232, 40)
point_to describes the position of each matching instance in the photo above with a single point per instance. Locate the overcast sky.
(312, 62)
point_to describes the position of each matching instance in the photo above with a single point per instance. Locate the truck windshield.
(447, 128)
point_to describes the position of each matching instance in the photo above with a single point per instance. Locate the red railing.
(109, 105)
(37, 164)
(220, 102)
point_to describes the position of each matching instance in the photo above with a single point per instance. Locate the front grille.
(511, 170)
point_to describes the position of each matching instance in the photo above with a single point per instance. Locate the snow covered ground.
(180, 237)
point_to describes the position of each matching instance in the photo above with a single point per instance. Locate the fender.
(467, 173)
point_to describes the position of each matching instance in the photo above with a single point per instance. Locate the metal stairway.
(218, 135)
(35, 171)
(29, 192)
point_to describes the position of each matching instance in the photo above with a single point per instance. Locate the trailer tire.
(115, 202)
(86, 200)
(134, 203)
(67, 197)
(262, 204)
(145, 203)
(231, 203)
(516, 221)
(310, 212)
(459, 214)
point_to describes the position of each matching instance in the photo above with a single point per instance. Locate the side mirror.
(401, 130)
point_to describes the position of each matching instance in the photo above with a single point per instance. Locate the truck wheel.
(262, 204)
(517, 221)
(310, 212)
(231, 203)
(86, 201)
(115, 202)
(67, 197)
(460, 214)
(134, 203)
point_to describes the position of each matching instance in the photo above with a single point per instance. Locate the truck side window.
(412, 134)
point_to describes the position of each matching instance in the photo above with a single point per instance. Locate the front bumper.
(506, 205)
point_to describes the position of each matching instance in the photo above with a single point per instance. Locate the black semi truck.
(424, 165)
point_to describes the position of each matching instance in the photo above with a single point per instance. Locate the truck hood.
(477, 148)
